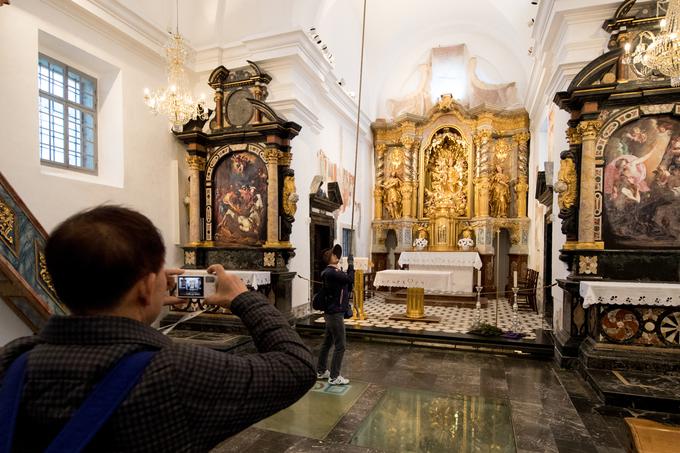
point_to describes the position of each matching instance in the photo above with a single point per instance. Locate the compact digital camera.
(195, 284)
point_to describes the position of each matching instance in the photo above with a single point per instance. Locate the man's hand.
(228, 287)
(171, 283)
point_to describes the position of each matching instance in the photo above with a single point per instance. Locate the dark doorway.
(322, 238)
(390, 246)
(547, 268)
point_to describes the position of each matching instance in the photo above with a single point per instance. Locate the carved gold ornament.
(502, 149)
(196, 163)
(573, 136)
(45, 276)
(269, 259)
(290, 198)
(7, 221)
(566, 184)
(587, 265)
(589, 129)
(190, 257)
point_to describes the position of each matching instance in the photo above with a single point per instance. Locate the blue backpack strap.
(89, 418)
(101, 404)
(10, 396)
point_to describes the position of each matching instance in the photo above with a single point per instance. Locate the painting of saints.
(641, 185)
(240, 188)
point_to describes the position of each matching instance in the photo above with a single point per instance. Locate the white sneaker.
(325, 375)
(338, 381)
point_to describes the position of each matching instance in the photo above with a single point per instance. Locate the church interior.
(503, 176)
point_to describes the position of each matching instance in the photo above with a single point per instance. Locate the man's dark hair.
(96, 256)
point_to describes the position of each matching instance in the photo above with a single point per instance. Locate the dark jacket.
(189, 398)
(338, 286)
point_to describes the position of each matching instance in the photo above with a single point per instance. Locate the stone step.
(636, 389)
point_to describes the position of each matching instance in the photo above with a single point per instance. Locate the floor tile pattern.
(453, 319)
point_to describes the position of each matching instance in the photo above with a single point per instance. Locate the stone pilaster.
(586, 226)
(272, 157)
(196, 165)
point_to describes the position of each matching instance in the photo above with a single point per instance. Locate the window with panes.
(68, 116)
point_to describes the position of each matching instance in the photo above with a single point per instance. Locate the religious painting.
(332, 172)
(642, 185)
(240, 199)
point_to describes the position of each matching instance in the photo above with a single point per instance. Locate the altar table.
(360, 263)
(459, 264)
(426, 279)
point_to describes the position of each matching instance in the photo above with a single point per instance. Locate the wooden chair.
(526, 297)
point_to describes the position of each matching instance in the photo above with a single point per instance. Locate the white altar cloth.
(629, 293)
(360, 263)
(417, 260)
(430, 280)
(253, 278)
(460, 265)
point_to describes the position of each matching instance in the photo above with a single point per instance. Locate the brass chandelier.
(175, 101)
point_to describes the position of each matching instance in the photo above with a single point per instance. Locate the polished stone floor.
(416, 399)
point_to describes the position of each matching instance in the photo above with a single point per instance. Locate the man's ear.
(146, 286)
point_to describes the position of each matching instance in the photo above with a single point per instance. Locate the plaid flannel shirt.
(189, 398)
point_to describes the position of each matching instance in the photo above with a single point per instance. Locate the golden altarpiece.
(451, 174)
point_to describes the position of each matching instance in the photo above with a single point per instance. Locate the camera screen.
(189, 286)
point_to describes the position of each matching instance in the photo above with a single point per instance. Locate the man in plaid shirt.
(107, 267)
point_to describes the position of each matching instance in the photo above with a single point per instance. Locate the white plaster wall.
(145, 148)
(11, 326)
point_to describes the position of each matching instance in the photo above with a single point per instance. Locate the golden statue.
(500, 193)
(392, 195)
(448, 174)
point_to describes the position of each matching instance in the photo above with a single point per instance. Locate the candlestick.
(516, 326)
(478, 309)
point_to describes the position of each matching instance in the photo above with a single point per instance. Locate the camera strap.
(89, 418)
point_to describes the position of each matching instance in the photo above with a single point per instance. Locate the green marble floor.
(422, 421)
(315, 414)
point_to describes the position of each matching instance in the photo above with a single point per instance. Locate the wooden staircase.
(25, 285)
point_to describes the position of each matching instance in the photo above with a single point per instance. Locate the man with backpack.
(104, 380)
(336, 287)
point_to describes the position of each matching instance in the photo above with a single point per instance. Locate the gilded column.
(586, 222)
(272, 157)
(196, 165)
(522, 185)
(482, 183)
(407, 194)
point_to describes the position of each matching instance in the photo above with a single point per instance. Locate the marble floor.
(416, 399)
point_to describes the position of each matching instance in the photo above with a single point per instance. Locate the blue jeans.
(334, 335)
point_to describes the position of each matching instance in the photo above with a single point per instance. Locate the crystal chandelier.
(663, 53)
(175, 101)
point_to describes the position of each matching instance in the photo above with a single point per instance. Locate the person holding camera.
(107, 266)
(337, 286)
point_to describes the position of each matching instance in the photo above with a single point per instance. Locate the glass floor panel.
(421, 421)
(316, 413)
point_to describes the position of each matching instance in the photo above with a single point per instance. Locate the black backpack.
(321, 299)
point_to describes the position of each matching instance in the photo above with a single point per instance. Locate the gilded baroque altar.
(452, 174)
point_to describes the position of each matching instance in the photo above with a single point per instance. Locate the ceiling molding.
(89, 15)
